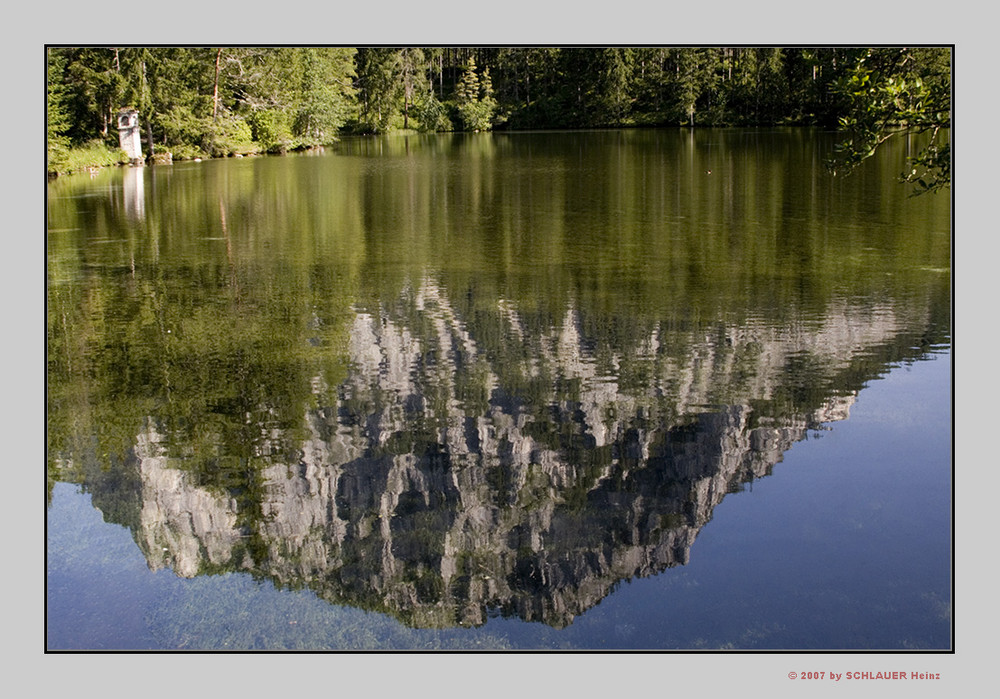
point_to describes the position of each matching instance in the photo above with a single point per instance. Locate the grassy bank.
(63, 160)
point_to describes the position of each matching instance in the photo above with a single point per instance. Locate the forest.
(200, 102)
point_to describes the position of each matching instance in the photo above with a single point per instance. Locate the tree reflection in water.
(462, 376)
(447, 478)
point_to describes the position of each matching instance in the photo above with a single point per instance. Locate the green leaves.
(891, 92)
(200, 101)
(474, 97)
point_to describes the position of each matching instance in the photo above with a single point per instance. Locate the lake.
(664, 389)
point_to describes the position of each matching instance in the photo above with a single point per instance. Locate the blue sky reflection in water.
(847, 545)
(567, 389)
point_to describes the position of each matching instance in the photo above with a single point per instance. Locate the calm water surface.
(610, 390)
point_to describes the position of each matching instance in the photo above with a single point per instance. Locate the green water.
(466, 386)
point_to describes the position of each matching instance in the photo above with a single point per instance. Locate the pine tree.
(380, 91)
(57, 120)
(325, 99)
(695, 77)
(474, 97)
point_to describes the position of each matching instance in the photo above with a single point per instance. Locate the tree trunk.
(215, 89)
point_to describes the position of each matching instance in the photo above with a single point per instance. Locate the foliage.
(325, 98)
(271, 129)
(697, 73)
(892, 92)
(192, 136)
(431, 115)
(230, 135)
(94, 154)
(759, 86)
(379, 91)
(474, 99)
(57, 114)
(225, 100)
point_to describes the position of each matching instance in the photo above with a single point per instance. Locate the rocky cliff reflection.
(521, 464)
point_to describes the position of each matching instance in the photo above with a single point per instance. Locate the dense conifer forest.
(224, 101)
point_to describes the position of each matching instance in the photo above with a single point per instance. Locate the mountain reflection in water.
(523, 469)
(449, 378)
